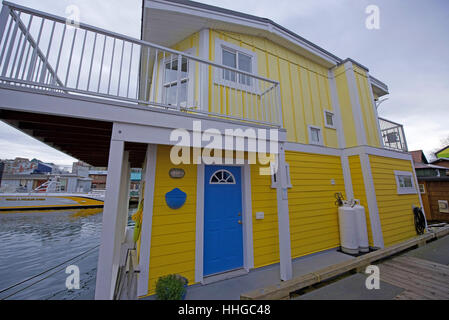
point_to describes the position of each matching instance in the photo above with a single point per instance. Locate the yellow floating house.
(303, 125)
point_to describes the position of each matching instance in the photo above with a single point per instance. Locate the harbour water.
(33, 242)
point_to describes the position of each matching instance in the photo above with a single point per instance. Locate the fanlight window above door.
(222, 177)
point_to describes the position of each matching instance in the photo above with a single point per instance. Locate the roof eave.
(229, 17)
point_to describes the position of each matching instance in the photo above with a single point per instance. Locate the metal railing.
(393, 135)
(44, 51)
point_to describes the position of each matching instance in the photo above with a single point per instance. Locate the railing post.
(4, 13)
(178, 82)
(10, 46)
(279, 104)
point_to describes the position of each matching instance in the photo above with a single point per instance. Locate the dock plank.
(419, 271)
(421, 279)
(408, 280)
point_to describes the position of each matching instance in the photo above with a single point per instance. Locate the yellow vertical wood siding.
(395, 210)
(265, 232)
(367, 107)
(312, 210)
(347, 116)
(305, 91)
(358, 186)
(173, 231)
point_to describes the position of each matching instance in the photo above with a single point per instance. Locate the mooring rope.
(37, 275)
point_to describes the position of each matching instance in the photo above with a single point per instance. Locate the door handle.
(240, 222)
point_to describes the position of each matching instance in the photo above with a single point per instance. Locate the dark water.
(33, 242)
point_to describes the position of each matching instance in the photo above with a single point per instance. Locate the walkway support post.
(147, 219)
(114, 215)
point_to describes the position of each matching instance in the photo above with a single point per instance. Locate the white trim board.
(311, 148)
(371, 199)
(376, 115)
(353, 151)
(336, 109)
(204, 74)
(355, 104)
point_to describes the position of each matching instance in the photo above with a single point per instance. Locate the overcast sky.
(409, 53)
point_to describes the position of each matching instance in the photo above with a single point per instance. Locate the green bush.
(171, 287)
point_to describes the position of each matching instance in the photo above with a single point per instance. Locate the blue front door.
(223, 237)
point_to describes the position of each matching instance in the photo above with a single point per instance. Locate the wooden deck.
(411, 283)
(421, 279)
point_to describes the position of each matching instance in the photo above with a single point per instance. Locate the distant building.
(443, 153)
(25, 166)
(442, 157)
(98, 179)
(433, 182)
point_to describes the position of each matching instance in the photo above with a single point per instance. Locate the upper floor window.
(329, 119)
(237, 60)
(236, 57)
(404, 182)
(173, 94)
(315, 135)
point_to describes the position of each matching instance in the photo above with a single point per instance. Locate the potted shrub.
(171, 287)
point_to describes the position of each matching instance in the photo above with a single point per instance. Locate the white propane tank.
(361, 226)
(348, 228)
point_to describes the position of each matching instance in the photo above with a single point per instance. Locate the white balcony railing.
(393, 135)
(44, 52)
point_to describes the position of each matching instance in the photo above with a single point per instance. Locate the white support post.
(147, 219)
(204, 73)
(124, 195)
(111, 233)
(376, 115)
(355, 103)
(283, 217)
(336, 109)
(347, 177)
(378, 240)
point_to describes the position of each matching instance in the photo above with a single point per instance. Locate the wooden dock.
(421, 279)
(283, 290)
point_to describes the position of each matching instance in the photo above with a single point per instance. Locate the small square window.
(315, 135)
(422, 189)
(443, 206)
(405, 183)
(329, 119)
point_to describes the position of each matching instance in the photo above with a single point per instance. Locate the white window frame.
(309, 130)
(190, 80)
(222, 183)
(423, 188)
(445, 203)
(333, 119)
(404, 190)
(218, 74)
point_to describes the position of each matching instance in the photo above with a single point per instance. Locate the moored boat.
(49, 196)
